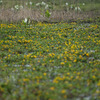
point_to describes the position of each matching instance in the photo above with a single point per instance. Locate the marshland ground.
(50, 61)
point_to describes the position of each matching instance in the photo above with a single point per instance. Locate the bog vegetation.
(48, 10)
(50, 61)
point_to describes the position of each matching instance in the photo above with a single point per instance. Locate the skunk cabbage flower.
(16, 7)
(25, 20)
(0, 1)
(30, 3)
(83, 4)
(37, 4)
(46, 7)
(66, 4)
(43, 3)
(77, 9)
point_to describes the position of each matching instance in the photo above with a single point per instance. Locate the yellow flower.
(52, 88)
(63, 91)
(69, 65)
(44, 74)
(98, 84)
(34, 56)
(87, 54)
(75, 60)
(68, 73)
(25, 80)
(34, 69)
(51, 38)
(93, 77)
(62, 63)
(97, 91)
(55, 81)
(80, 56)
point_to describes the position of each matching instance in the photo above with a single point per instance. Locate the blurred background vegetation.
(55, 4)
(86, 7)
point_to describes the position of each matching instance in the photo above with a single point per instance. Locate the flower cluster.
(17, 7)
(50, 61)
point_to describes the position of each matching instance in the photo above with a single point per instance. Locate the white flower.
(66, 4)
(30, 3)
(37, 4)
(25, 20)
(0, 1)
(16, 7)
(43, 3)
(46, 6)
(83, 4)
(77, 8)
(50, 13)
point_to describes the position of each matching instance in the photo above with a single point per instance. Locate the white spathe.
(66, 4)
(43, 3)
(25, 20)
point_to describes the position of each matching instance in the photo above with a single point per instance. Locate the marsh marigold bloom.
(63, 91)
(52, 88)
